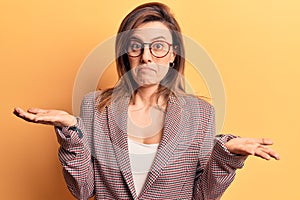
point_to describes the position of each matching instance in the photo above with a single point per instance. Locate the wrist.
(70, 122)
(73, 121)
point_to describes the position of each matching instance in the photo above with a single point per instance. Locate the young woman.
(146, 138)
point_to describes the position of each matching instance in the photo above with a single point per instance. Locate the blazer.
(191, 163)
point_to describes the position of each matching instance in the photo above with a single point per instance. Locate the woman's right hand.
(51, 117)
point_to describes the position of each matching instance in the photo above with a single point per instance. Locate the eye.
(159, 46)
(135, 46)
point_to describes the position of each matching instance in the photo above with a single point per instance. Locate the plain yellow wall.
(255, 45)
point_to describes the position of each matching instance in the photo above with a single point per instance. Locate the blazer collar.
(173, 124)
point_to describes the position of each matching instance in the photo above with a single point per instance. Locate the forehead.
(151, 30)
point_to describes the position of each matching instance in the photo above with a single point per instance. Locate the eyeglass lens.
(158, 49)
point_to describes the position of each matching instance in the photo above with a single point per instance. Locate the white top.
(141, 158)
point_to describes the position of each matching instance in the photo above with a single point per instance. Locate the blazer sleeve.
(75, 153)
(216, 166)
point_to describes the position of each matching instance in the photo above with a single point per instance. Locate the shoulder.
(199, 112)
(196, 103)
(89, 104)
(91, 98)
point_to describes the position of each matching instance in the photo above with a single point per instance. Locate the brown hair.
(172, 82)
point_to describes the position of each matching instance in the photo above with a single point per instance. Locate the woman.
(146, 138)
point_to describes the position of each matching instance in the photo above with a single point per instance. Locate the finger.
(264, 141)
(27, 116)
(275, 155)
(24, 115)
(262, 154)
(18, 110)
(271, 152)
(36, 110)
(244, 150)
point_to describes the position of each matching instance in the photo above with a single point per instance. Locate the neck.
(145, 97)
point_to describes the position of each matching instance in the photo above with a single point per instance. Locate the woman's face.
(151, 66)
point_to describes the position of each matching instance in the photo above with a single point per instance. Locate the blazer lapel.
(173, 125)
(117, 118)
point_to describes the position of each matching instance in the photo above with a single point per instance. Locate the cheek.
(133, 62)
(162, 71)
(163, 61)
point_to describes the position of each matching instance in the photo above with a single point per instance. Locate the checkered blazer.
(191, 163)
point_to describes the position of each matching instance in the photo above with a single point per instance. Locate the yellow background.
(255, 45)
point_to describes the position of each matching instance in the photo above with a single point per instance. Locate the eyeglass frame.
(150, 49)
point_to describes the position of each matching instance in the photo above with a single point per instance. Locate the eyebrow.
(153, 39)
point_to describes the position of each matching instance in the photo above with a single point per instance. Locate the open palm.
(51, 117)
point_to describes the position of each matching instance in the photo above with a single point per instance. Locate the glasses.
(158, 49)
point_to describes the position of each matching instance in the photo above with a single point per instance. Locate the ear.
(172, 56)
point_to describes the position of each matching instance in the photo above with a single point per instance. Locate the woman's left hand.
(252, 146)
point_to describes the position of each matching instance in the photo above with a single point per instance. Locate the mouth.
(145, 68)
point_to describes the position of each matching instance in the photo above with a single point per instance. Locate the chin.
(148, 83)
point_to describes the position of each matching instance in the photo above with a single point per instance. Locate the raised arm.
(74, 152)
(217, 166)
(219, 160)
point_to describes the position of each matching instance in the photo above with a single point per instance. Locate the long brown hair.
(173, 81)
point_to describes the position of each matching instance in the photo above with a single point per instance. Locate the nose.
(146, 55)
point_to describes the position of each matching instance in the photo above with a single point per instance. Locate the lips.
(146, 68)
